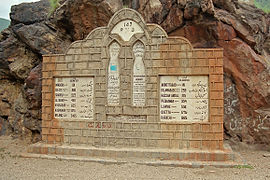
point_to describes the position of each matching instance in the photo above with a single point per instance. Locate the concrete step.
(152, 162)
(165, 157)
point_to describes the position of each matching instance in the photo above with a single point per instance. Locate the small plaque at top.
(126, 29)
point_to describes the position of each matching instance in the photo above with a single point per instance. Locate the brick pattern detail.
(163, 56)
(52, 132)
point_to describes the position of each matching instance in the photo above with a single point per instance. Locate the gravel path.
(13, 167)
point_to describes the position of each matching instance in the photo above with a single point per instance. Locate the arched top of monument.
(180, 40)
(126, 23)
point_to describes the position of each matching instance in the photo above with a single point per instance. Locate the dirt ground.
(14, 167)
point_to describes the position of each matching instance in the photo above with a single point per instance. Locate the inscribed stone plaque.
(184, 98)
(113, 75)
(74, 97)
(126, 29)
(138, 75)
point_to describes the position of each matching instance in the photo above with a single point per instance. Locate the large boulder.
(16, 59)
(250, 72)
(78, 18)
(41, 38)
(29, 13)
(21, 48)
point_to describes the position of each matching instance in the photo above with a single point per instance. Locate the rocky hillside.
(241, 29)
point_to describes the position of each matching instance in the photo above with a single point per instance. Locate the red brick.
(45, 131)
(195, 144)
(55, 123)
(216, 78)
(54, 131)
(205, 127)
(46, 124)
(44, 150)
(51, 139)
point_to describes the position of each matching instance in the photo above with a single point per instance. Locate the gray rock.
(29, 13)
(40, 38)
(32, 89)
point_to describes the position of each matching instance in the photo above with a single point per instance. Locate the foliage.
(247, 166)
(263, 4)
(54, 5)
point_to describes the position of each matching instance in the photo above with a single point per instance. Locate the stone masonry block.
(216, 86)
(75, 139)
(115, 110)
(216, 78)
(61, 66)
(47, 81)
(100, 117)
(216, 111)
(45, 117)
(216, 118)
(81, 65)
(127, 126)
(152, 143)
(216, 95)
(152, 119)
(169, 135)
(178, 135)
(46, 123)
(45, 130)
(47, 88)
(161, 70)
(173, 70)
(99, 109)
(163, 143)
(46, 102)
(175, 144)
(187, 135)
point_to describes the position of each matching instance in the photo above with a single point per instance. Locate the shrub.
(263, 4)
(54, 5)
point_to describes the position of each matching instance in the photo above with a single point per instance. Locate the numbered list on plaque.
(184, 98)
(74, 98)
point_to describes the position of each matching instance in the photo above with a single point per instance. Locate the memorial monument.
(130, 91)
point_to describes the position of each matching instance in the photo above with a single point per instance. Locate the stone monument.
(130, 91)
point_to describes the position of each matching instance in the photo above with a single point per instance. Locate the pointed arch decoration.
(113, 75)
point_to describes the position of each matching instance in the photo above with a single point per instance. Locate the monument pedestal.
(155, 157)
(128, 91)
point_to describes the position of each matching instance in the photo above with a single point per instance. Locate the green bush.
(54, 5)
(263, 4)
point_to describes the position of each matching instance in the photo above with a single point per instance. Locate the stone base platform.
(156, 157)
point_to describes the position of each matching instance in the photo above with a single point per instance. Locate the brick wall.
(115, 125)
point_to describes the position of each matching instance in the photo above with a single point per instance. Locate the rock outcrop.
(21, 48)
(239, 28)
(79, 17)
